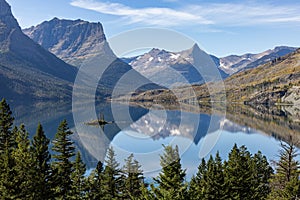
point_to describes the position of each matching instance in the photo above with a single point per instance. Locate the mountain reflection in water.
(197, 132)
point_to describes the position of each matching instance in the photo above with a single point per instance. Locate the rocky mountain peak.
(189, 54)
(6, 16)
(157, 52)
(8, 25)
(163, 67)
(69, 39)
(195, 47)
(27, 70)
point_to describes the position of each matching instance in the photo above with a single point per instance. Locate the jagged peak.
(71, 21)
(195, 49)
(195, 46)
(156, 51)
(7, 18)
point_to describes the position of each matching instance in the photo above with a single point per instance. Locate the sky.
(219, 27)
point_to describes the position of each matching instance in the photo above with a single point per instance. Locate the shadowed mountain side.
(119, 79)
(27, 70)
(20, 82)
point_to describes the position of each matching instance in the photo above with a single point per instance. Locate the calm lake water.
(143, 129)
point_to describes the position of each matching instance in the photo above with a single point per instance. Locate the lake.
(142, 128)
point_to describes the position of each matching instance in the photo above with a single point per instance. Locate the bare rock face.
(8, 24)
(28, 71)
(292, 96)
(71, 40)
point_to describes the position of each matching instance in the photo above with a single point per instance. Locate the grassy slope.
(268, 82)
(265, 84)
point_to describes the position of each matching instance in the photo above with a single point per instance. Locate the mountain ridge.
(171, 68)
(71, 40)
(27, 70)
(235, 63)
(274, 83)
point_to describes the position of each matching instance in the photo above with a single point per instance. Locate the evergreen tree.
(198, 182)
(239, 174)
(285, 183)
(41, 165)
(209, 181)
(214, 179)
(111, 176)
(133, 179)
(7, 138)
(23, 165)
(146, 194)
(78, 179)
(62, 165)
(170, 180)
(95, 183)
(7, 145)
(262, 175)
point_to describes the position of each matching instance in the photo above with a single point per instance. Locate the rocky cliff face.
(72, 41)
(8, 24)
(27, 70)
(292, 96)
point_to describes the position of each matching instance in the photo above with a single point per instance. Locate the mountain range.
(31, 70)
(275, 82)
(173, 69)
(156, 60)
(236, 63)
(75, 41)
(43, 62)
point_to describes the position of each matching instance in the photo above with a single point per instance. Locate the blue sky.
(219, 27)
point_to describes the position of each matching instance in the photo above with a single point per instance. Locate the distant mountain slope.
(272, 82)
(71, 40)
(27, 70)
(234, 63)
(171, 68)
(276, 82)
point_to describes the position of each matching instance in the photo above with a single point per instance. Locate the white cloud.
(248, 14)
(220, 14)
(148, 16)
